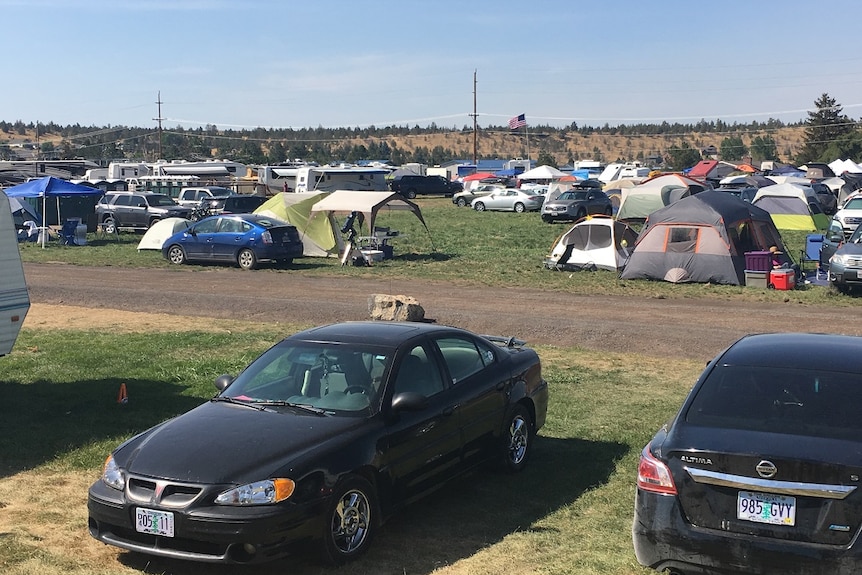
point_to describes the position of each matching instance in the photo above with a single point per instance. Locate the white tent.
(160, 231)
(541, 173)
(595, 242)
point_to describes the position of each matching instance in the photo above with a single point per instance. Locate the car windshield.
(780, 400)
(342, 379)
(854, 204)
(856, 236)
(159, 200)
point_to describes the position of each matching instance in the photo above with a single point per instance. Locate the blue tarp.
(50, 186)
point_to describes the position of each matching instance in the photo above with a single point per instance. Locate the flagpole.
(527, 135)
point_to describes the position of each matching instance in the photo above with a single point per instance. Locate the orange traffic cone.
(122, 396)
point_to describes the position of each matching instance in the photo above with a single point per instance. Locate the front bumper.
(663, 539)
(207, 533)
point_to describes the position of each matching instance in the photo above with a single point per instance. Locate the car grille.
(164, 493)
(853, 262)
(852, 221)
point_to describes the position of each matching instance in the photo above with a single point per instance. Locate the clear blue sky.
(354, 63)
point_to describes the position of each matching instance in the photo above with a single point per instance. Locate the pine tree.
(824, 125)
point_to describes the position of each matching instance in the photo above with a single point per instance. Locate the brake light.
(653, 475)
(266, 237)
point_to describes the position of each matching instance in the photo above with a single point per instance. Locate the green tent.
(317, 229)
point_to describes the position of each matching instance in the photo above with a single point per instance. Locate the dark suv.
(136, 210)
(232, 204)
(411, 186)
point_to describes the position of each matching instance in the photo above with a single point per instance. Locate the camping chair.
(67, 233)
(811, 253)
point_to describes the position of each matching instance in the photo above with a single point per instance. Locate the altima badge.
(766, 469)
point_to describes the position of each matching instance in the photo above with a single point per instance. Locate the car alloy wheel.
(351, 525)
(517, 439)
(176, 255)
(520, 208)
(480, 207)
(246, 259)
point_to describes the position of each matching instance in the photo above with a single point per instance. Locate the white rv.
(14, 298)
(329, 179)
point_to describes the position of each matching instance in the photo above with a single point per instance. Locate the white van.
(14, 298)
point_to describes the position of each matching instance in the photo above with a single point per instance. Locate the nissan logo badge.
(766, 469)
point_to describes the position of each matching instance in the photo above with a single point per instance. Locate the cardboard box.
(756, 278)
(782, 279)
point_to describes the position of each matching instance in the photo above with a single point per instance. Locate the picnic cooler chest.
(782, 279)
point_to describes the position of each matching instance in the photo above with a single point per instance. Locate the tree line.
(829, 134)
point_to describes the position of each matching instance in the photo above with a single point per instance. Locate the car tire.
(582, 213)
(479, 207)
(520, 208)
(350, 521)
(839, 287)
(109, 226)
(461, 202)
(246, 259)
(516, 441)
(410, 194)
(153, 221)
(177, 255)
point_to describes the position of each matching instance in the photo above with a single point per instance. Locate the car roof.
(827, 352)
(383, 333)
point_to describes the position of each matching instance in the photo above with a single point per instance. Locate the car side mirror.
(223, 381)
(409, 401)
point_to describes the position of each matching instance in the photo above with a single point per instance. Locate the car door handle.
(450, 410)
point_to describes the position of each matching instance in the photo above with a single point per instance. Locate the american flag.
(517, 122)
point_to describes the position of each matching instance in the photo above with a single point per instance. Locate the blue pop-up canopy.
(50, 186)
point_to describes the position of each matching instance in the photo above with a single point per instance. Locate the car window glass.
(462, 356)
(780, 400)
(230, 225)
(418, 373)
(123, 200)
(207, 226)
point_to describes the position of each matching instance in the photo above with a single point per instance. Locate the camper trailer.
(14, 298)
(331, 178)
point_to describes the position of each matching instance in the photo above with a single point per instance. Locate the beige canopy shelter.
(366, 203)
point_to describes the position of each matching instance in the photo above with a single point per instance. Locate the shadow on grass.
(44, 421)
(456, 522)
(429, 257)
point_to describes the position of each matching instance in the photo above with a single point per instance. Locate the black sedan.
(318, 439)
(576, 204)
(241, 239)
(759, 472)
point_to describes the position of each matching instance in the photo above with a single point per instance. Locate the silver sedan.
(510, 200)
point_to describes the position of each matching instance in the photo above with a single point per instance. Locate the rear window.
(789, 401)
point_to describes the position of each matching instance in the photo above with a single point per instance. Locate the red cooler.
(782, 279)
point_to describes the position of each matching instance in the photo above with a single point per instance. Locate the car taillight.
(266, 237)
(653, 475)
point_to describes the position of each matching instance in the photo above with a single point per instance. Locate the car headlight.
(258, 493)
(112, 475)
(838, 259)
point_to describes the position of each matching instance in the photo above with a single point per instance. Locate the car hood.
(562, 204)
(849, 249)
(225, 443)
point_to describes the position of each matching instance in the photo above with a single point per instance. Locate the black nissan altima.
(759, 471)
(318, 440)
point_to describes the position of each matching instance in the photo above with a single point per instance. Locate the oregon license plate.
(154, 522)
(766, 508)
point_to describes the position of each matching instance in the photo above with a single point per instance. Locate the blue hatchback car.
(243, 239)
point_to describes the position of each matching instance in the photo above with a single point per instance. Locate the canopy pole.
(44, 230)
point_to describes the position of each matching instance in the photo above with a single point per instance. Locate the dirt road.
(690, 328)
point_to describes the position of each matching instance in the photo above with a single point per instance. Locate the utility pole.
(474, 114)
(159, 102)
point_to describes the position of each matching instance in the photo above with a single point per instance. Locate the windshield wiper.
(234, 401)
(298, 406)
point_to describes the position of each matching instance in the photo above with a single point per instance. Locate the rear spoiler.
(506, 341)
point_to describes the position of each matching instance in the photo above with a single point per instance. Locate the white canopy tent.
(541, 173)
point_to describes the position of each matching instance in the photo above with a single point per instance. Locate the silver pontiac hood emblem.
(766, 469)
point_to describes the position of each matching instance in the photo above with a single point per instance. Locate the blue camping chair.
(813, 245)
(67, 233)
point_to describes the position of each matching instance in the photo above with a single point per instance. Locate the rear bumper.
(664, 540)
